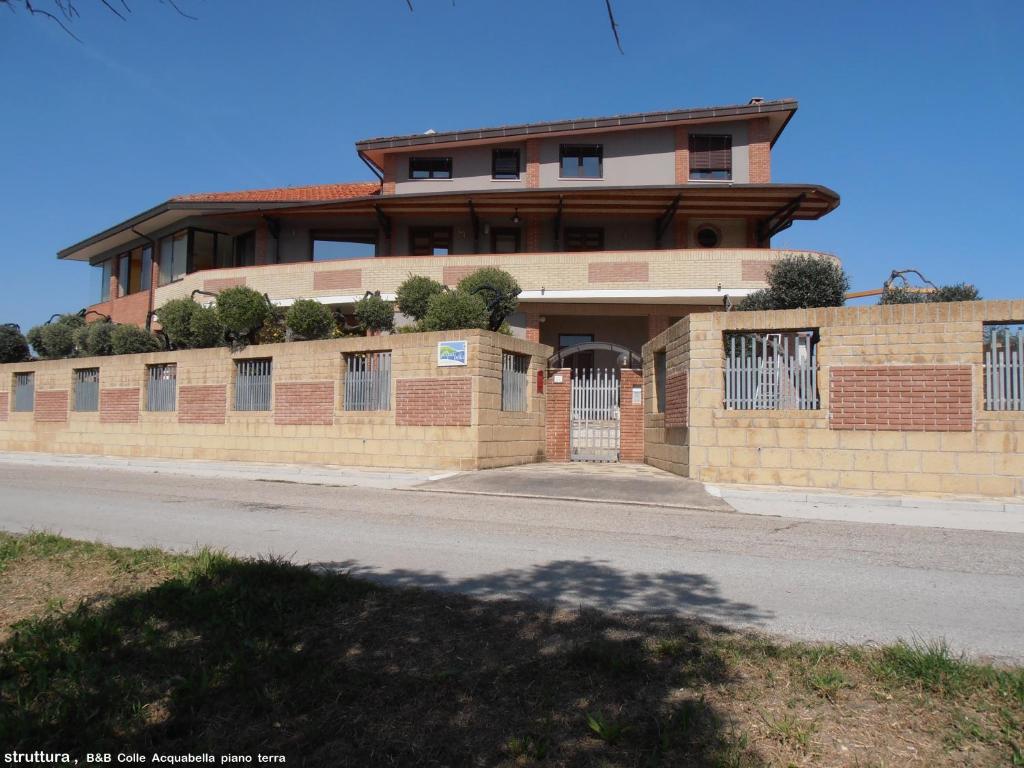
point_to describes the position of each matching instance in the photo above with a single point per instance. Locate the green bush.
(130, 339)
(755, 301)
(35, 339)
(454, 310)
(310, 319)
(13, 345)
(243, 311)
(94, 339)
(375, 314)
(956, 292)
(799, 282)
(414, 294)
(57, 339)
(900, 295)
(189, 325)
(498, 279)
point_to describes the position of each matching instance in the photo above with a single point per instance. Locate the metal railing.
(162, 387)
(253, 385)
(514, 381)
(1004, 368)
(771, 371)
(24, 392)
(368, 381)
(87, 389)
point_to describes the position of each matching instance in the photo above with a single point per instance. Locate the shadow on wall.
(247, 657)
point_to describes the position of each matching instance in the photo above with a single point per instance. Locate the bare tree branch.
(409, 3)
(615, 26)
(65, 12)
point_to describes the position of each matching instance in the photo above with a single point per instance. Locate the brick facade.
(760, 151)
(434, 402)
(388, 185)
(451, 276)
(304, 402)
(533, 163)
(220, 284)
(903, 398)
(202, 404)
(754, 270)
(618, 272)
(52, 406)
(682, 155)
(533, 326)
(677, 400)
(338, 279)
(5, 406)
(119, 406)
(559, 404)
(631, 417)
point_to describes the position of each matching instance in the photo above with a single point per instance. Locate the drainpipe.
(152, 264)
(373, 168)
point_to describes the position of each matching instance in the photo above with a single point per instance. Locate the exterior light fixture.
(515, 217)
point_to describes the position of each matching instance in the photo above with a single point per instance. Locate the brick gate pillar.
(558, 397)
(631, 417)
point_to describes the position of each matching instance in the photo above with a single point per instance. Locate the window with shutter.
(430, 241)
(710, 157)
(505, 164)
(430, 167)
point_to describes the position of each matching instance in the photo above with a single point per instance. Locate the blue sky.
(912, 111)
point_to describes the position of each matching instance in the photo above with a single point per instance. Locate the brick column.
(533, 163)
(533, 235)
(631, 418)
(682, 155)
(533, 326)
(680, 228)
(388, 186)
(759, 143)
(558, 402)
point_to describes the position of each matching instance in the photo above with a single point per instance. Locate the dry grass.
(118, 649)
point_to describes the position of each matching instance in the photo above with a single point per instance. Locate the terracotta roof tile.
(311, 193)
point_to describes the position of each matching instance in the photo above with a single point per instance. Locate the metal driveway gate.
(594, 419)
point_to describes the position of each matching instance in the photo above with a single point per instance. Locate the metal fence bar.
(87, 389)
(24, 392)
(1004, 370)
(253, 385)
(771, 371)
(514, 381)
(162, 387)
(367, 381)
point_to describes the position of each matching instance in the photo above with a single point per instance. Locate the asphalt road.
(834, 581)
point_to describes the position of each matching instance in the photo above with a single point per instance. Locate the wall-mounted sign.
(452, 353)
(638, 396)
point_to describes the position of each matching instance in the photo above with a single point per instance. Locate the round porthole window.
(707, 237)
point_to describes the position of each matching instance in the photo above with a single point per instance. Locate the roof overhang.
(778, 111)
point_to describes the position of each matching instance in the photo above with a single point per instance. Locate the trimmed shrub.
(13, 345)
(414, 295)
(94, 339)
(807, 281)
(130, 339)
(900, 295)
(243, 311)
(57, 339)
(35, 339)
(755, 301)
(454, 310)
(310, 319)
(955, 292)
(375, 314)
(189, 325)
(205, 328)
(506, 286)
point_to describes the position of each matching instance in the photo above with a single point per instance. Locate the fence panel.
(162, 387)
(1004, 369)
(368, 381)
(514, 381)
(771, 371)
(24, 392)
(87, 389)
(253, 385)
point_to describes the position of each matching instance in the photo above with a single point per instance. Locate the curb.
(574, 499)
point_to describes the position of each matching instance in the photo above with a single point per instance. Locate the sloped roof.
(307, 193)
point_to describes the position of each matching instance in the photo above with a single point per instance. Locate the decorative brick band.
(222, 283)
(52, 406)
(5, 406)
(677, 400)
(203, 404)
(119, 406)
(618, 272)
(338, 279)
(438, 402)
(450, 276)
(754, 270)
(304, 402)
(905, 398)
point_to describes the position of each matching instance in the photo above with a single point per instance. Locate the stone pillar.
(631, 418)
(558, 403)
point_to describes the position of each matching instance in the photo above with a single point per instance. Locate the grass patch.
(116, 650)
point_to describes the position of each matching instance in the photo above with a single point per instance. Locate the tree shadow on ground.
(330, 670)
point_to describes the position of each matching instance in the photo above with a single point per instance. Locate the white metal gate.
(594, 419)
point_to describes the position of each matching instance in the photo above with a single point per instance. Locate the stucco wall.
(913, 427)
(307, 424)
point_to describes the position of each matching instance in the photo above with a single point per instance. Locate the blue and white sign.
(452, 353)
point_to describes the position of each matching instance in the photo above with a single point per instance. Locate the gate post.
(631, 417)
(558, 403)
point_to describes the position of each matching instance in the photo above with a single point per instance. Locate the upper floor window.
(134, 270)
(710, 157)
(105, 270)
(505, 164)
(430, 241)
(430, 167)
(173, 257)
(584, 239)
(211, 250)
(581, 161)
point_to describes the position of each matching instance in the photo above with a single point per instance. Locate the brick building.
(614, 227)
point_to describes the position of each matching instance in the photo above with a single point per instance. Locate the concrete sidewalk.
(974, 514)
(305, 474)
